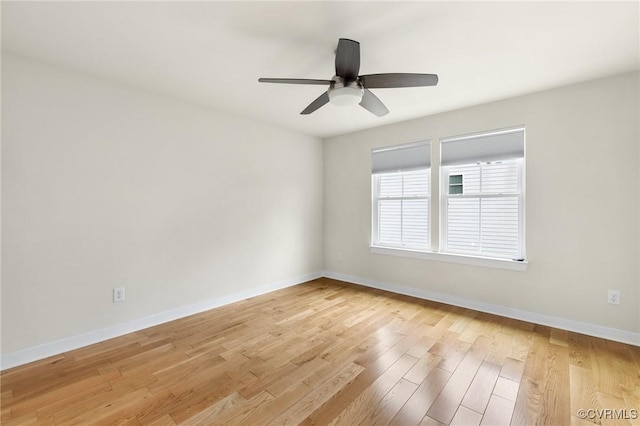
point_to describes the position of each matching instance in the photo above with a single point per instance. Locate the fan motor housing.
(344, 93)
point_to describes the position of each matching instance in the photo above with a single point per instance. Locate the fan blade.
(371, 103)
(380, 81)
(320, 101)
(348, 59)
(294, 81)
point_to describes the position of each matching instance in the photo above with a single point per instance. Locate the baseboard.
(595, 330)
(45, 350)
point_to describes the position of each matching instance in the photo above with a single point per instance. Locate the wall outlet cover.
(118, 294)
(613, 297)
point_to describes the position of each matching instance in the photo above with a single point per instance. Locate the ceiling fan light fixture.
(345, 96)
(348, 87)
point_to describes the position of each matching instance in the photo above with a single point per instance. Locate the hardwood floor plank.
(454, 356)
(52, 378)
(157, 409)
(278, 405)
(326, 412)
(584, 394)
(466, 417)
(579, 350)
(464, 319)
(185, 405)
(632, 401)
(266, 373)
(471, 332)
(617, 412)
(446, 405)
(530, 400)
(481, 388)
(422, 368)
(297, 376)
(87, 394)
(607, 376)
(421, 348)
(499, 412)
(512, 369)
(299, 411)
(428, 421)
(366, 401)
(165, 420)
(121, 408)
(518, 342)
(445, 341)
(415, 409)
(391, 404)
(559, 337)
(71, 392)
(30, 418)
(240, 411)
(217, 410)
(331, 352)
(508, 389)
(557, 402)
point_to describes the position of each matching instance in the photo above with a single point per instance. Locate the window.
(455, 184)
(482, 206)
(401, 188)
(481, 202)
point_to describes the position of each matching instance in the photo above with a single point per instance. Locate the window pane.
(455, 189)
(403, 209)
(390, 185)
(416, 183)
(500, 227)
(470, 177)
(463, 224)
(455, 179)
(415, 220)
(500, 177)
(389, 222)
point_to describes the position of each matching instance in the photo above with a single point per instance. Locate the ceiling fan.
(349, 88)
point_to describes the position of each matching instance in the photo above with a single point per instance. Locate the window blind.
(499, 145)
(403, 209)
(401, 191)
(484, 218)
(402, 157)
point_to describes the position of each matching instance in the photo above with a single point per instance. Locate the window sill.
(452, 258)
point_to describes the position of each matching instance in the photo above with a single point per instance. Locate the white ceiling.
(212, 53)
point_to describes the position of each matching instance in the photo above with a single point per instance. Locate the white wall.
(105, 186)
(582, 205)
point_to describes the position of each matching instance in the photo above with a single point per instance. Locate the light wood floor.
(327, 352)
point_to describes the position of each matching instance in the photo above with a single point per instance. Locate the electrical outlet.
(613, 297)
(338, 255)
(118, 294)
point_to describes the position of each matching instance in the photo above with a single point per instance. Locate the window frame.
(444, 197)
(436, 220)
